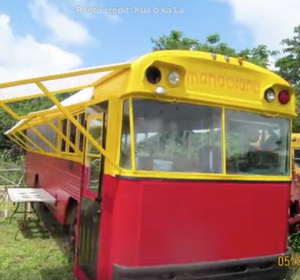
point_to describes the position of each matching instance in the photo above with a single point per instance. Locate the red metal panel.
(158, 223)
(57, 176)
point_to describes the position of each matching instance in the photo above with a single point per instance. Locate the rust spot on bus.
(229, 82)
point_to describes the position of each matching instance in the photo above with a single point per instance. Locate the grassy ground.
(35, 255)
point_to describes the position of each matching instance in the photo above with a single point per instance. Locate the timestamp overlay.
(129, 10)
(289, 261)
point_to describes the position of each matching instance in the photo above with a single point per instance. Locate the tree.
(289, 67)
(22, 108)
(259, 55)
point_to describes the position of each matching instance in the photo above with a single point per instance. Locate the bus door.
(90, 205)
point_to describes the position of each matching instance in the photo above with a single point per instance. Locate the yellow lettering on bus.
(229, 82)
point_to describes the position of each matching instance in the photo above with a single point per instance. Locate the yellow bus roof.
(89, 78)
(81, 78)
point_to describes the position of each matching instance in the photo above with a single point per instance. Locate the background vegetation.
(286, 62)
(47, 261)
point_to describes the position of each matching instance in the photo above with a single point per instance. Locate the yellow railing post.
(61, 134)
(77, 124)
(30, 141)
(18, 143)
(21, 141)
(9, 111)
(44, 139)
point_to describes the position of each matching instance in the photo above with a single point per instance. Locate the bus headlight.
(173, 78)
(269, 95)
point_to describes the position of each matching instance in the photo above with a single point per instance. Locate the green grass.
(35, 255)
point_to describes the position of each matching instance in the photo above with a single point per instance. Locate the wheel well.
(71, 206)
(36, 180)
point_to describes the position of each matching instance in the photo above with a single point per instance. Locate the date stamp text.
(289, 261)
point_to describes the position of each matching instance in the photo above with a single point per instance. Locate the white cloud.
(270, 21)
(64, 30)
(86, 4)
(24, 57)
(271, 64)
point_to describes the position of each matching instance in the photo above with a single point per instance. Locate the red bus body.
(219, 212)
(149, 223)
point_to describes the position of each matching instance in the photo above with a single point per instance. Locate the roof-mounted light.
(173, 78)
(269, 95)
(240, 60)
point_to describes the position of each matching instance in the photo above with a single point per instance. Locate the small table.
(28, 196)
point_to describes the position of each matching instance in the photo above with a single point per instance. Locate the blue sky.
(42, 36)
(128, 36)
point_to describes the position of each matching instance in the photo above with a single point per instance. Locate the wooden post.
(4, 202)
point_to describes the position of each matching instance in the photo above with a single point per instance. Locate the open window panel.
(93, 157)
(297, 158)
(90, 204)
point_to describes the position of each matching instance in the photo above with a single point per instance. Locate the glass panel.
(95, 129)
(296, 154)
(95, 164)
(64, 124)
(81, 136)
(125, 158)
(176, 137)
(256, 144)
(72, 136)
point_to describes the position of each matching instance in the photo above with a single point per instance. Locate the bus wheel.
(73, 231)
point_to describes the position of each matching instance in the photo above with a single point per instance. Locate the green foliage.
(288, 63)
(21, 108)
(259, 55)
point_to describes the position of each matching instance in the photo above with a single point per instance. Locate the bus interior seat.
(185, 165)
(144, 163)
(204, 157)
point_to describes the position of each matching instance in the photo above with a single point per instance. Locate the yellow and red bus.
(154, 167)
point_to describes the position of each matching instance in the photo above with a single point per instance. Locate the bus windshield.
(178, 137)
(256, 144)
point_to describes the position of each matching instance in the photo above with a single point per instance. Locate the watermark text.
(129, 10)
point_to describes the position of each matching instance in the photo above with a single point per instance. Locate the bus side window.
(64, 126)
(80, 135)
(125, 155)
(97, 115)
(72, 135)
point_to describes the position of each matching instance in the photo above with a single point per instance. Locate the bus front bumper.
(259, 268)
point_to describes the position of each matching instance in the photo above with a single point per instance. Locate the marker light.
(214, 56)
(153, 75)
(173, 78)
(283, 97)
(160, 90)
(269, 95)
(240, 60)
